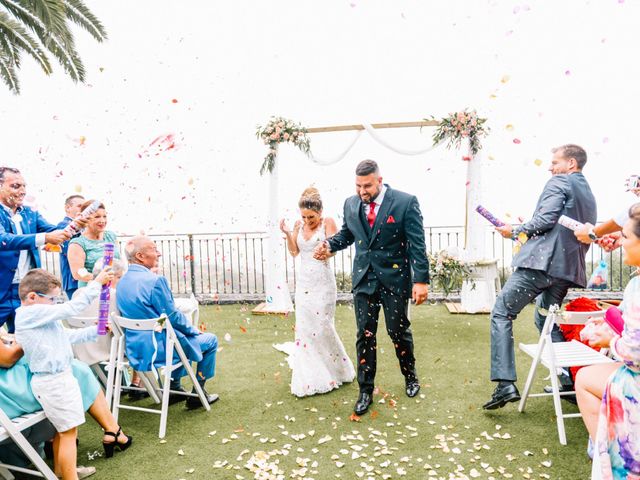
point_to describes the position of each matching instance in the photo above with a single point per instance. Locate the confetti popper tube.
(489, 216)
(105, 293)
(570, 223)
(73, 228)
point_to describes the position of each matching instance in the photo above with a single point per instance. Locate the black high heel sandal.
(109, 447)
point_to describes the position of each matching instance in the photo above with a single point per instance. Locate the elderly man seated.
(141, 294)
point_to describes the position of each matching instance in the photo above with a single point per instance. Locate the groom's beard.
(369, 198)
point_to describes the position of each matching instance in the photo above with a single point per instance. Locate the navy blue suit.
(69, 284)
(10, 246)
(390, 258)
(141, 295)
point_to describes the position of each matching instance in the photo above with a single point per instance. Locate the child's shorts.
(60, 397)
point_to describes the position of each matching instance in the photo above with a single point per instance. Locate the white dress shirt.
(24, 263)
(378, 201)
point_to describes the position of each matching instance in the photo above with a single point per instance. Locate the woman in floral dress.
(614, 421)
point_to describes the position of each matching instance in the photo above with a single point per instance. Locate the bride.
(317, 357)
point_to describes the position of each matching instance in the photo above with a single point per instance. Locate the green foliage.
(343, 281)
(37, 26)
(447, 272)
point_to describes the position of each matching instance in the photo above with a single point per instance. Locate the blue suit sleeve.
(550, 207)
(42, 225)
(11, 241)
(162, 299)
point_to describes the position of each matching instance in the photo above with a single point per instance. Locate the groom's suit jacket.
(393, 250)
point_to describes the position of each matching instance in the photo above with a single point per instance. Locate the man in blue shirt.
(22, 232)
(71, 209)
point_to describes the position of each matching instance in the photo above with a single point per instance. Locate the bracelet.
(83, 272)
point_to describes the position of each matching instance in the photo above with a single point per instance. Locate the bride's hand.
(283, 227)
(297, 225)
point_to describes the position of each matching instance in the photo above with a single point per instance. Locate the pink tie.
(371, 216)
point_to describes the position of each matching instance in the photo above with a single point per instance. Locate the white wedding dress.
(317, 357)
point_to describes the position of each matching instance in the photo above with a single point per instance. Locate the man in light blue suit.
(141, 294)
(22, 231)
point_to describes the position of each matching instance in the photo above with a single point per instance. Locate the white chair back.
(172, 344)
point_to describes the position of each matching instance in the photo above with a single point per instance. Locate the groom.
(386, 226)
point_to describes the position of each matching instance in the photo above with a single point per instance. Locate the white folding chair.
(12, 429)
(558, 356)
(107, 381)
(190, 307)
(171, 343)
(82, 322)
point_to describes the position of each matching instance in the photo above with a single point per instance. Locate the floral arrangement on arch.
(281, 130)
(459, 126)
(447, 271)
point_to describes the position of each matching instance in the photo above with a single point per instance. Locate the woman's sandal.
(109, 447)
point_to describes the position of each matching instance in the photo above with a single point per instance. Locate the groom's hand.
(420, 293)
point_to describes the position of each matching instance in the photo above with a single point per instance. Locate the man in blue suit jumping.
(22, 231)
(141, 294)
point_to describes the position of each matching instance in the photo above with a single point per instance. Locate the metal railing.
(234, 263)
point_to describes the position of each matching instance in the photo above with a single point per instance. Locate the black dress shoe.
(413, 388)
(136, 395)
(194, 402)
(564, 388)
(503, 394)
(176, 397)
(363, 403)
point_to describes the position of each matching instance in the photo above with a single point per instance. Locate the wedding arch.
(461, 130)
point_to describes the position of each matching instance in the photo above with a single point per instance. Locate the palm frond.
(14, 37)
(78, 13)
(24, 15)
(8, 75)
(53, 14)
(66, 54)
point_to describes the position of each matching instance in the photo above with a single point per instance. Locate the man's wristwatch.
(592, 235)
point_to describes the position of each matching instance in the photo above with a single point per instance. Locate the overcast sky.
(544, 73)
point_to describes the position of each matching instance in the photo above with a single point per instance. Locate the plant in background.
(447, 272)
(280, 130)
(459, 126)
(38, 27)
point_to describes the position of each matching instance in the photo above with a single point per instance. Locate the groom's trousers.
(395, 309)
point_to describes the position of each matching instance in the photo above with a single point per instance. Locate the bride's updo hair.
(311, 200)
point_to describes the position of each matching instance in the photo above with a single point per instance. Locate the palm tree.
(39, 27)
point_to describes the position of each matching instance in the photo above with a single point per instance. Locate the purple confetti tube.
(489, 216)
(105, 293)
(73, 228)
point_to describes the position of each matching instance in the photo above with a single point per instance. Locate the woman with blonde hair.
(85, 250)
(317, 357)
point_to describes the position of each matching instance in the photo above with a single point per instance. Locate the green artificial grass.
(443, 433)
